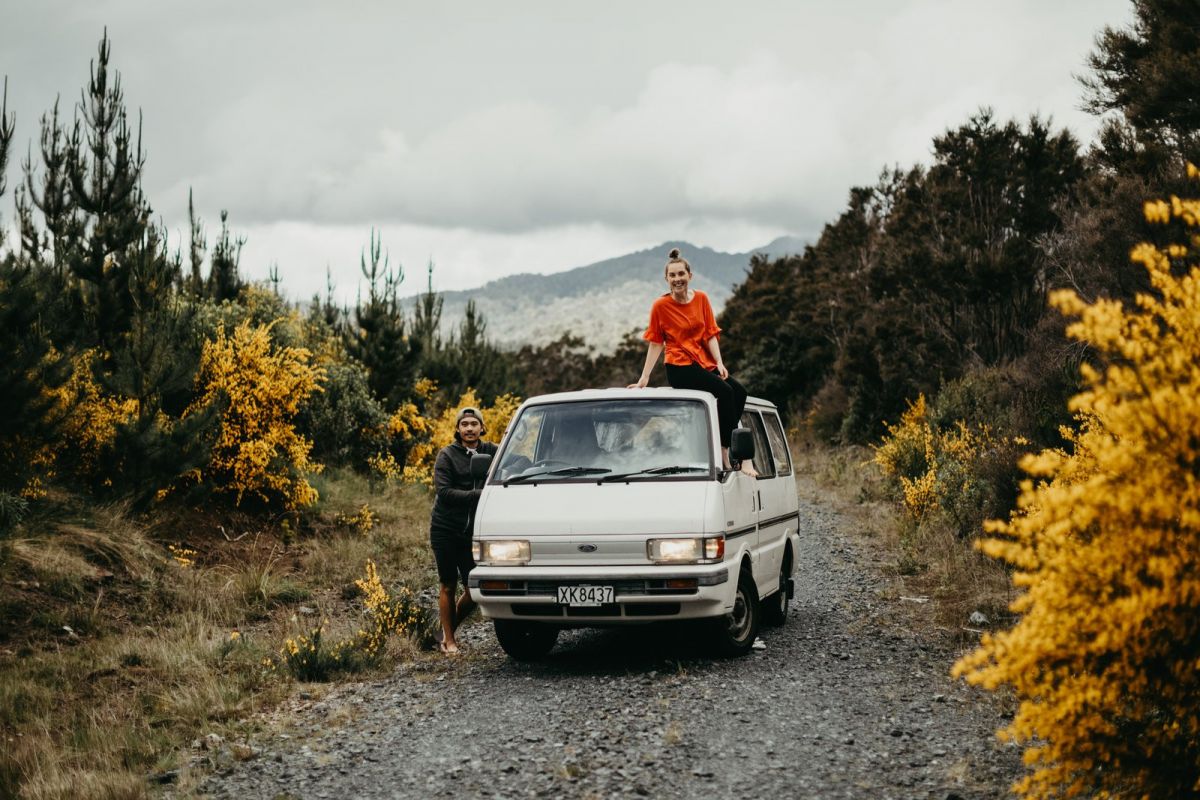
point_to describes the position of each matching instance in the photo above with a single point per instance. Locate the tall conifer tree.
(378, 340)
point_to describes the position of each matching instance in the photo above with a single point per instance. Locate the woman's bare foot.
(448, 648)
(748, 468)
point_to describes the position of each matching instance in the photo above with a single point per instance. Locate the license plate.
(585, 595)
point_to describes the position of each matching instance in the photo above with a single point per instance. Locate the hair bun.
(674, 253)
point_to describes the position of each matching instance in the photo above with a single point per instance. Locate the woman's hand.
(641, 384)
(724, 373)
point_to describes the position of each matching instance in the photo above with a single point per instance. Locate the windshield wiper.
(674, 469)
(559, 471)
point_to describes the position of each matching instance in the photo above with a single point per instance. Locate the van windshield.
(607, 440)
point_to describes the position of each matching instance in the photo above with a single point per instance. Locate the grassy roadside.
(123, 640)
(927, 564)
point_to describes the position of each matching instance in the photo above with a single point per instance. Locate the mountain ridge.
(601, 301)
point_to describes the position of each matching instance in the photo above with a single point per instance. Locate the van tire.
(525, 641)
(775, 607)
(733, 634)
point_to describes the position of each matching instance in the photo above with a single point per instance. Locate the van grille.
(607, 610)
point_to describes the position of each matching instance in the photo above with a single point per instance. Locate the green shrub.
(991, 397)
(345, 423)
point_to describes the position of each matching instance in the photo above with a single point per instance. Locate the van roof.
(650, 392)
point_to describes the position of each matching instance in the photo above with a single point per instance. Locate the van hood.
(555, 509)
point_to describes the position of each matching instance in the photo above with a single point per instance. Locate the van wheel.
(775, 607)
(734, 633)
(525, 641)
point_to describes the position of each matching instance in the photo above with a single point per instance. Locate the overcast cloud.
(535, 136)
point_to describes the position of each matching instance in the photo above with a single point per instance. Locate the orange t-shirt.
(683, 328)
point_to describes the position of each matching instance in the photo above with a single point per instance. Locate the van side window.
(762, 452)
(779, 448)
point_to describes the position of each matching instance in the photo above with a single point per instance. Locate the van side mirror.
(741, 445)
(480, 464)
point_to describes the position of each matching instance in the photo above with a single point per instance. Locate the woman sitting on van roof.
(682, 323)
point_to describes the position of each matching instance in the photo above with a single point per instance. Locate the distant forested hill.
(602, 301)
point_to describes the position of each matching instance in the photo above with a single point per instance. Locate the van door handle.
(760, 499)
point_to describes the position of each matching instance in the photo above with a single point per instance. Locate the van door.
(767, 556)
(740, 498)
(778, 512)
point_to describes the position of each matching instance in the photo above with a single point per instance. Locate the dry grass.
(113, 657)
(925, 560)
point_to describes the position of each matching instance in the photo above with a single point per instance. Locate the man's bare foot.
(448, 648)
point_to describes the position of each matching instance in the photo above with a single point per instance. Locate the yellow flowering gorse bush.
(90, 419)
(409, 429)
(399, 615)
(307, 657)
(384, 467)
(934, 467)
(257, 449)
(361, 521)
(1105, 658)
(908, 455)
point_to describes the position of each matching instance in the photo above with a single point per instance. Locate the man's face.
(468, 430)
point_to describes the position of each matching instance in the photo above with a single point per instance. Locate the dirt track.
(843, 702)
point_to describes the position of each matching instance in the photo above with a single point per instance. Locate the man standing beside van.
(452, 518)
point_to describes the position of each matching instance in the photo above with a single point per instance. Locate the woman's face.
(678, 277)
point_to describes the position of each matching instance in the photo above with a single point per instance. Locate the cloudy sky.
(501, 137)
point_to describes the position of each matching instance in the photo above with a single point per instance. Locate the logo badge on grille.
(587, 548)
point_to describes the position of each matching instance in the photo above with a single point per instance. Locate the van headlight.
(501, 552)
(692, 550)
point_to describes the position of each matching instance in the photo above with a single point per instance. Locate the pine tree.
(122, 279)
(224, 282)
(427, 317)
(61, 216)
(104, 166)
(378, 340)
(326, 309)
(197, 245)
(8, 124)
(480, 365)
(29, 417)
(151, 360)
(434, 355)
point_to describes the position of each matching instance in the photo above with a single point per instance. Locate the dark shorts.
(454, 561)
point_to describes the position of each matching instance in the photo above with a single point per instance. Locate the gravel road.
(844, 702)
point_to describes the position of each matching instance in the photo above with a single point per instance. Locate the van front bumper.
(641, 594)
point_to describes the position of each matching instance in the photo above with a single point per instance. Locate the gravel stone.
(845, 702)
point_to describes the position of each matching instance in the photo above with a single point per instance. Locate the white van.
(610, 507)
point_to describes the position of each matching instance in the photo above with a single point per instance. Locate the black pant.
(453, 559)
(731, 395)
